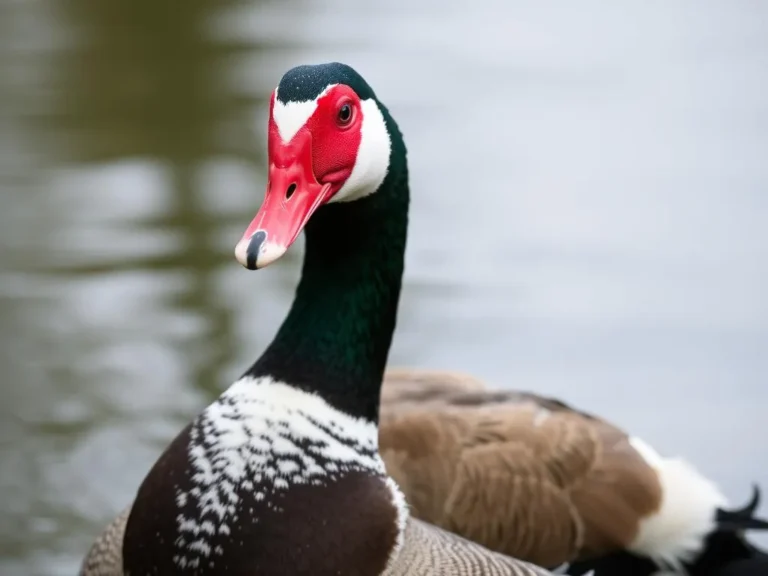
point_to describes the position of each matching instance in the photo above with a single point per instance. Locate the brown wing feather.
(406, 386)
(521, 474)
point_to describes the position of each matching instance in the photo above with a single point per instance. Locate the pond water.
(589, 220)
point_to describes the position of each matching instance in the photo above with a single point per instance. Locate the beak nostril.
(290, 191)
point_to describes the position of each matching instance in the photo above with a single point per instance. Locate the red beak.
(293, 195)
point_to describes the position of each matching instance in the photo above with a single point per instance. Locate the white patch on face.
(291, 116)
(372, 161)
(249, 440)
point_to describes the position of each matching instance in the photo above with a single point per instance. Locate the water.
(588, 221)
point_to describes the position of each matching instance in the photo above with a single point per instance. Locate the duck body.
(282, 473)
(534, 478)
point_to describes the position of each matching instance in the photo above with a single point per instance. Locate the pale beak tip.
(241, 251)
(269, 253)
(253, 252)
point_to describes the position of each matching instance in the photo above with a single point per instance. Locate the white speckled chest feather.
(259, 438)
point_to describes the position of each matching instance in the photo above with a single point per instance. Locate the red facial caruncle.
(313, 148)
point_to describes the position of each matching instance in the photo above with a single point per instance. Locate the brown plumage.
(524, 475)
(426, 551)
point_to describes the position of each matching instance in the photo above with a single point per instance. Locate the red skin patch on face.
(334, 144)
(304, 174)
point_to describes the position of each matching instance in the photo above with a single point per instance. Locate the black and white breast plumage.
(266, 468)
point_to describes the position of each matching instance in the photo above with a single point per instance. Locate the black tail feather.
(743, 524)
(742, 518)
(726, 554)
(757, 566)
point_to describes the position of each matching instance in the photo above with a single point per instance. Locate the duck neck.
(336, 338)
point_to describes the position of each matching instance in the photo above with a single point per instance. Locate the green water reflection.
(88, 86)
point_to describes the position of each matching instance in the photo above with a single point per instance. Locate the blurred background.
(589, 220)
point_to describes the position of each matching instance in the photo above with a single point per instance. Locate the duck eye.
(345, 115)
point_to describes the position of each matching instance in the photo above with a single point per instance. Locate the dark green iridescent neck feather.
(335, 340)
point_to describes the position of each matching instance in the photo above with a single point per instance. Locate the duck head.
(327, 142)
